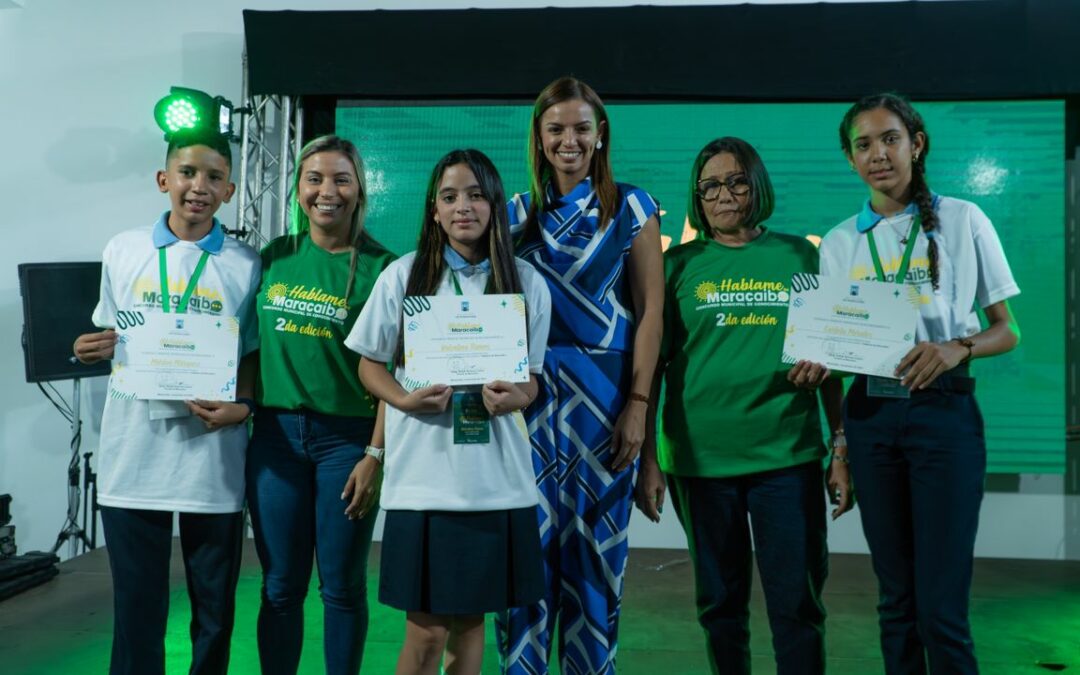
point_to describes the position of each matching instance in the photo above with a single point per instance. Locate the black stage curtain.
(818, 52)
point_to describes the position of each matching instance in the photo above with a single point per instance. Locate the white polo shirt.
(423, 468)
(971, 263)
(173, 464)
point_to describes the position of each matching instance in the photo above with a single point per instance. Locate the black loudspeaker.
(58, 299)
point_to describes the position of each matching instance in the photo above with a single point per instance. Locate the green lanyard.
(457, 286)
(901, 274)
(181, 308)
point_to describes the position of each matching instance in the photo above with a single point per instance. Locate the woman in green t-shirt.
(312, 478)
(740, 441)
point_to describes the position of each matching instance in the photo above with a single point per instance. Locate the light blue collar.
(868, 218)
(211, 243)
(459, 264)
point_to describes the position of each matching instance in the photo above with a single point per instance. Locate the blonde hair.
(358, 236)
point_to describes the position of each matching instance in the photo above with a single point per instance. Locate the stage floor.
(1023, 613)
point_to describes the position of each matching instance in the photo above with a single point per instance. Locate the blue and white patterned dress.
(584, 508)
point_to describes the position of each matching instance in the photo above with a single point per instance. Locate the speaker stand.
(72, 533)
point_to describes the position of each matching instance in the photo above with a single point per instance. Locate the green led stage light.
(181, 114)
(193, 109)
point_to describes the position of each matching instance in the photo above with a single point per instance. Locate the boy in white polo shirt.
(157, 458)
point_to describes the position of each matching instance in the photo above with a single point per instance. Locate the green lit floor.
(1023, 612)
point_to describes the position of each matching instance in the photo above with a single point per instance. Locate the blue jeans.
(787, 510)
(297, 466)
(140, 546)
(918, 465)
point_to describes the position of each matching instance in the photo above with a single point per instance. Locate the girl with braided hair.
(916, 444)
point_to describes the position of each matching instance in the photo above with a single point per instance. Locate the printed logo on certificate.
(465, 339)
(175, 357)
(863, 327)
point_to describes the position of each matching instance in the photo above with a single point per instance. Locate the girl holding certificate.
(314, 419)
(917, 449)
(597, 244)
(459, 494)
(741, 440)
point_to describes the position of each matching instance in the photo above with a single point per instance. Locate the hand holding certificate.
(177, 357)
(850, 326)
(465, 339)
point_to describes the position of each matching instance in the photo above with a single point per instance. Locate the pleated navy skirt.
(460, 562)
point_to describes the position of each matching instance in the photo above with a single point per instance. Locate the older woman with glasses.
(741, 440)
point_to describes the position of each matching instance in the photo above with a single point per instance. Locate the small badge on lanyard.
(886, 387)
(472, 422)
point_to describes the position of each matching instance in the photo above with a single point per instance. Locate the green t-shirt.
(729, 409)
(303, 321)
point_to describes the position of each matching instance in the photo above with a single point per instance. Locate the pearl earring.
(599, 144)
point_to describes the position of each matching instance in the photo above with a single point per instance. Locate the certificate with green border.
(465, 339)
(849, 326)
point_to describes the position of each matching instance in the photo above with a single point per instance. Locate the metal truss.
(271, 129)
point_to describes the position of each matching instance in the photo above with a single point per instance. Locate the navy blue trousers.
(918, 466)
(786, 509)
(140, 546)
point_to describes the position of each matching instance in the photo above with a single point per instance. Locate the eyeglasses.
(709, 190)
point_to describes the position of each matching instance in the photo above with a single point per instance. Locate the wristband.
(841, 458)
(641, 398)
(376, 453)
(966, 342)
(249, 402)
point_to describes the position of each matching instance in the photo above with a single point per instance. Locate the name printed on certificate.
(465, 339)
(175, 357)
(862, 327)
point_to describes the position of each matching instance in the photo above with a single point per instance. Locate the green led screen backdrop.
(1005, 156)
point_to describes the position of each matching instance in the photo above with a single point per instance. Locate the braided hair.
(920, 191)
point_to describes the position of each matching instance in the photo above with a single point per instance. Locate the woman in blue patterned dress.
(597, 243)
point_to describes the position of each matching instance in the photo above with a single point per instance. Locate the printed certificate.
(849, 326)
(465, 339)
(175, 356)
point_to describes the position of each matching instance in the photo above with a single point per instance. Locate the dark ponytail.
(920, 191)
